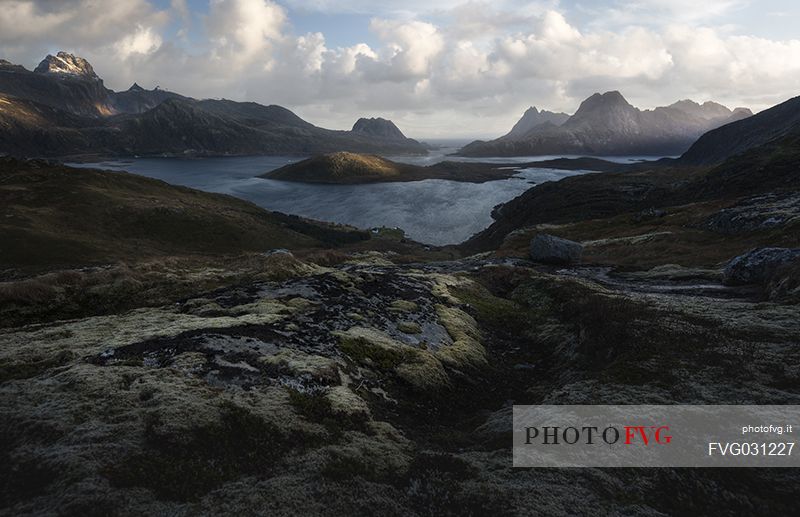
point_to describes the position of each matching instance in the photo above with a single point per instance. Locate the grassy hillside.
(54, 215)
(771, 167)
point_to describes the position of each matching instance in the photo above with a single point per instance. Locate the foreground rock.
(549, 249)
(758, 213)
(757, 266)
(309, 395)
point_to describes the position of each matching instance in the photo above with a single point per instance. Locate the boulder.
(550, 249)
(757, 265)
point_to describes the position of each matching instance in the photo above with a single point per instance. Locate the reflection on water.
(431, 211)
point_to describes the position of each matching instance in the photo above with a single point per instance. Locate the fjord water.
(434, 212)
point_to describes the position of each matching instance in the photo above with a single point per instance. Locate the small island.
(345, 168)
(352, 168)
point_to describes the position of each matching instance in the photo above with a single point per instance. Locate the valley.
(216, 307)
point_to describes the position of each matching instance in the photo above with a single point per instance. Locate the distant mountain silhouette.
(534, 119)
(606, 124)
(62, 108)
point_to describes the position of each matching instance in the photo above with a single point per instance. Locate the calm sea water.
(431, 211)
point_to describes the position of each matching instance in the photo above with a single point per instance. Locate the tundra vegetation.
(225, 359)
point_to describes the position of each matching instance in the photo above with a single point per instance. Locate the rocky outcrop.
(64, 82)
(606, 124)
(770, 211)
(64, 63)
(549, 249)
(758, 265)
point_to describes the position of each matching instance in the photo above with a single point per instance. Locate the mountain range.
(756, 156)
(606, 124)
(62, 108)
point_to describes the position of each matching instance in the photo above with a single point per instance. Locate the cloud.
(143, 41)
(76, 21)
(655, 12)
(410, 48)
(467, 68)
(243, 31)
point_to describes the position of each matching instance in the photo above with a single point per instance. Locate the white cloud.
(143, 41)
(471, 68)
(411, 47)
(29, 28)
(244, 30)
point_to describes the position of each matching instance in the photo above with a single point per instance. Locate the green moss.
(417, 367)
(363, 349)
(493, 311)
(341, 467)
(26, 370)
(409, 327)
(403, 306)
(425, 373)
(320, 409)
(185, 467)
(466, 349)
(314, 406)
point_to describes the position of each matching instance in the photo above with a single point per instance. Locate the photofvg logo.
(655, 436)
(593, 435)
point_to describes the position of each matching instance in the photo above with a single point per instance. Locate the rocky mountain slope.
(76, 115)
(532, 119)
(765, 168)
(736, 138)
(608, 125)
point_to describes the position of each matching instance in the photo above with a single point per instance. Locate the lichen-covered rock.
(421, 369)
(466, 349)
(757, 266)
(305, 396)
(758, 213)
(549, 249)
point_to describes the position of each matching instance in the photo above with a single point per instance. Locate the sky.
(438, 69)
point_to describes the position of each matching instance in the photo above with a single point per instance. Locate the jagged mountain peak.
(136, 88)
(685, 104)
(535, 119)
(66, 64)
(708, 110)
(608, 100)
